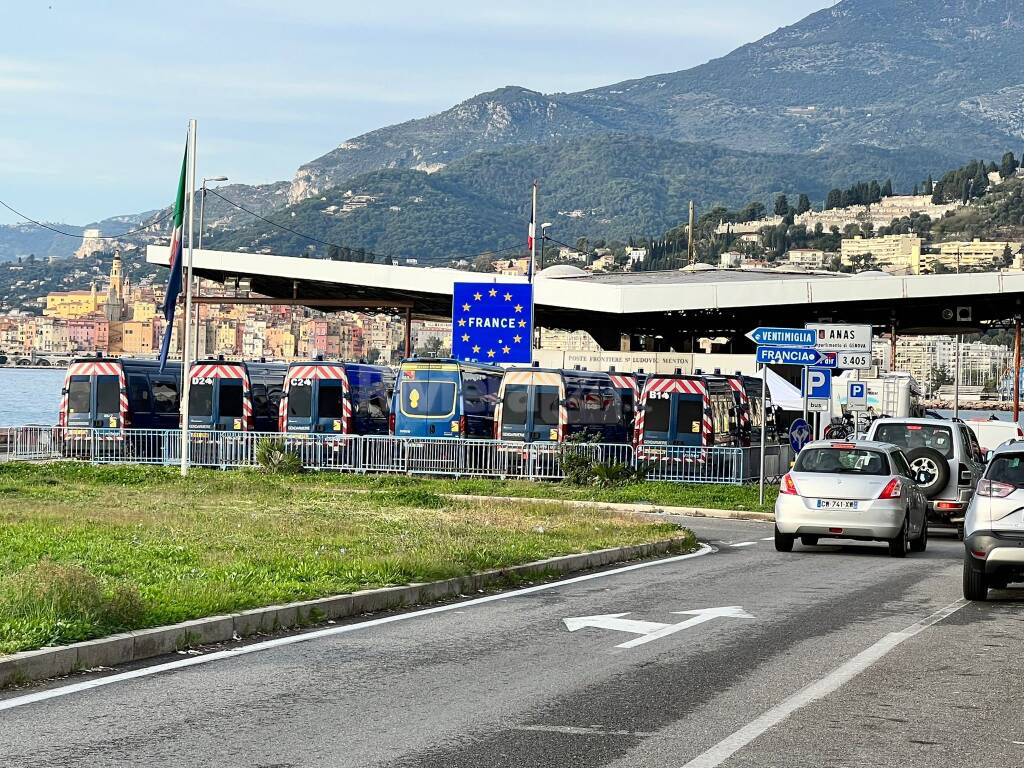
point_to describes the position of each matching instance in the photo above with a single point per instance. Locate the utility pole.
(533, 264)
(1016, 367)
(186, 355)
(691, 247)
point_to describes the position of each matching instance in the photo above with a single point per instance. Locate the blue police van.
(443, 397)
(336, 398)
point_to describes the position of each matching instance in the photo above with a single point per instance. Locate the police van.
(552, 405)
(235, 396)
(679, 411)
(444, 397)
(336, 398)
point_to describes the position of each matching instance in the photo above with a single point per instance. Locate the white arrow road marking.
(652, 630)
(614, 621)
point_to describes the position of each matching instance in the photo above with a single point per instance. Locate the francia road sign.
(796, 356)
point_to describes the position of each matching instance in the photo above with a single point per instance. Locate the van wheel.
(975, 581)
(900, 543)
(920, 544)
(783, 541)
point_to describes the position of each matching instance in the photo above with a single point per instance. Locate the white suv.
(994, 527)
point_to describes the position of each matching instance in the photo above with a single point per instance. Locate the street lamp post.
(202, 226)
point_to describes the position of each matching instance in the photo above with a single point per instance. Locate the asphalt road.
(505, 683)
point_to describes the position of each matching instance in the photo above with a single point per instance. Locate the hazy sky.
(95, 96)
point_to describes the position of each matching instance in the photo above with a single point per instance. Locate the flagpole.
(186, 353)
(533, 265)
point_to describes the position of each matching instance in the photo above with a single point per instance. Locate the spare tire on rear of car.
(933, 463)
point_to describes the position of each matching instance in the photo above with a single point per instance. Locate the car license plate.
(835, 504)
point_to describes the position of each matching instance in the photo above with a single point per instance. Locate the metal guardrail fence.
(395, 455)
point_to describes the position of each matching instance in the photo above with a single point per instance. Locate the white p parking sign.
(857, 396)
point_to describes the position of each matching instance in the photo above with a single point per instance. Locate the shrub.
(275, 459)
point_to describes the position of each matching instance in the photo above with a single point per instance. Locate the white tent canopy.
(783, 394)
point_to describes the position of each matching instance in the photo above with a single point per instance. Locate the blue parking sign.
(492, 322)
(818, 383)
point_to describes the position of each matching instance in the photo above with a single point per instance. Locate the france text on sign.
(853, 361)
(795, 356)
(491, 322)
(836, 337)
(783, 337)
(652, 630)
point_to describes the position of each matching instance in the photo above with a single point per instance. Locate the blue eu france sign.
(491, 322)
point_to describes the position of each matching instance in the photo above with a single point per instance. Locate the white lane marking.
(768, 538)
(819, 689)
(699, 617)
(652, 630)
(744, 544)
(192, 661)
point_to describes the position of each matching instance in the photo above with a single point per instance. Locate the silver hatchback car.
(851, 490)
(994, 527)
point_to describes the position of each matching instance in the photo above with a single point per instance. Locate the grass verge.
(87, 551)
(742, 498)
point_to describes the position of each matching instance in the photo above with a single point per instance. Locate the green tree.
(1009, 166)
(938, 376)
(804, 204)
(929, 186)
(781, 205)
(887, 188)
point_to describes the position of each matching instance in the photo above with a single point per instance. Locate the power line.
(313, 239)
(82, 237)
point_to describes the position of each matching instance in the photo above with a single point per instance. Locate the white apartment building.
(891, 250)
(975, 254)
(919, 355)
(809, 258)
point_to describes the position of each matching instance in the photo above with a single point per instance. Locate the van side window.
(138, 394)
(165, 395)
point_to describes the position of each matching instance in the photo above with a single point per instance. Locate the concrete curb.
(655, 509)
(143, 644)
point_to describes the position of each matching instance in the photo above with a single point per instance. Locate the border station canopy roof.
(677, 305)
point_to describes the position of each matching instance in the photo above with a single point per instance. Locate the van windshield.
(299, 401)
(428, 398)
(200, 400)
(514, 404)
(545, 413)
(329, 400)
(911, 436)
(230, 399)
(108, 394)
(689, 415)
(79, 395)
(657, 414)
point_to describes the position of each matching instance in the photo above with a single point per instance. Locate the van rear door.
(93, 396)
(216, 399)
(428, 401)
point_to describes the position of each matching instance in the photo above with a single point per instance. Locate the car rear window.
(910, 436)
(853, 461)
(1007, 468)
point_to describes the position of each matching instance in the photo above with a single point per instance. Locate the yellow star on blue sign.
(485, 316)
